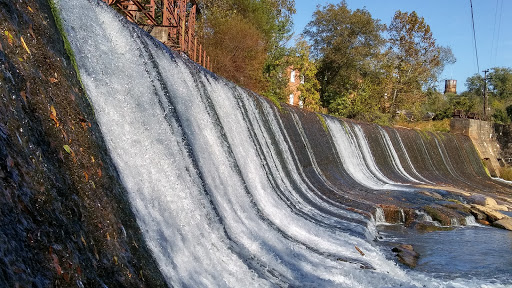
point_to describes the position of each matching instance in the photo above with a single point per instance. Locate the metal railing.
(177, 18)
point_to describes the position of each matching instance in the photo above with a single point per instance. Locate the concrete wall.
(484, 137)
(504, 138)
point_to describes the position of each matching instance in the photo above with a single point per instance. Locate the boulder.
(486, 201)
(432, 194)
(492, 215)
(425, 226)
(505, 223)
(406, 255)
(482, 200)
(447, 216)
(394, 214)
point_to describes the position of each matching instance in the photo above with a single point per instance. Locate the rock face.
(406, 255)
(492, 215)
(505, 223)
(487, 202)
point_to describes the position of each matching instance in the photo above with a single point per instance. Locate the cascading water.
(395, 161)
(213, 180)
(357, 158)
(380, 218)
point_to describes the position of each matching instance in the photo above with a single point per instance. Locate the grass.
(427, 126)
(324, 125)
(506, 173)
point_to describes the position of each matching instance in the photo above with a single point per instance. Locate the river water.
(470, 252)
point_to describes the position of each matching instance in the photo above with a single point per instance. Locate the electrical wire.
(474, 36)
(494, 30)
(499, 30)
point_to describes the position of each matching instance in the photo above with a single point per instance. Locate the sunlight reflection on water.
(467, 252)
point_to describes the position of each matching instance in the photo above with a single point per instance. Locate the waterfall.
(212, 175)
(356, 156)
(408, 159)
(379, 216)
(471, 221)
(395, 161)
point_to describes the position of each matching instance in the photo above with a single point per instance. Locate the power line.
(494, 30)
(474, 36)
(499, 30)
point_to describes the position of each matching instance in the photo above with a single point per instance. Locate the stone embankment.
(445, 213)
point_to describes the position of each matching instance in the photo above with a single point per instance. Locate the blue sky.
(450, 22)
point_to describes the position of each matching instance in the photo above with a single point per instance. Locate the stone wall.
(504, 138)
(484, 137)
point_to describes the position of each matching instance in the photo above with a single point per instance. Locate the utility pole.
(486, 103)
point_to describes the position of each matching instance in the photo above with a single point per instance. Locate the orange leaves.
(53, 80)
(10, 38)
(85, 124)
(55, 260)
(66, 265)
(11, 41)
(23, 95)
(24, 45)
(53, 115)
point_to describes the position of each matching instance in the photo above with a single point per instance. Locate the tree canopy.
(417, 60)
(243, 35)
(347, 46)
(354, 65)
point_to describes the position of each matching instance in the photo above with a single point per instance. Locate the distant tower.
(450, 86)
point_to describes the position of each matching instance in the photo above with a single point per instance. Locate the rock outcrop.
(406, 255)
(505, 223)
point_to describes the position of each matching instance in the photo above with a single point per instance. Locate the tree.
(418, 60)
(500, 82)
(347, 46)
(240, 61)
(499, 91)
(243, 35)
(475, 85)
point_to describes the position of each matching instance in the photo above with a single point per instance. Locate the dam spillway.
(230, 190)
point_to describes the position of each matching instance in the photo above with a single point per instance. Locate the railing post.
(191, 28)
(200, 48)
(153, 8)
(195, 49)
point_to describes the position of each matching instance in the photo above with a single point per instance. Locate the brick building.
(295, 79)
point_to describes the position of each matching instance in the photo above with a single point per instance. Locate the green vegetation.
(246, 38)
(353, 65)
(506, 173)
(322, 120)
(67, 45)
(432, 126)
